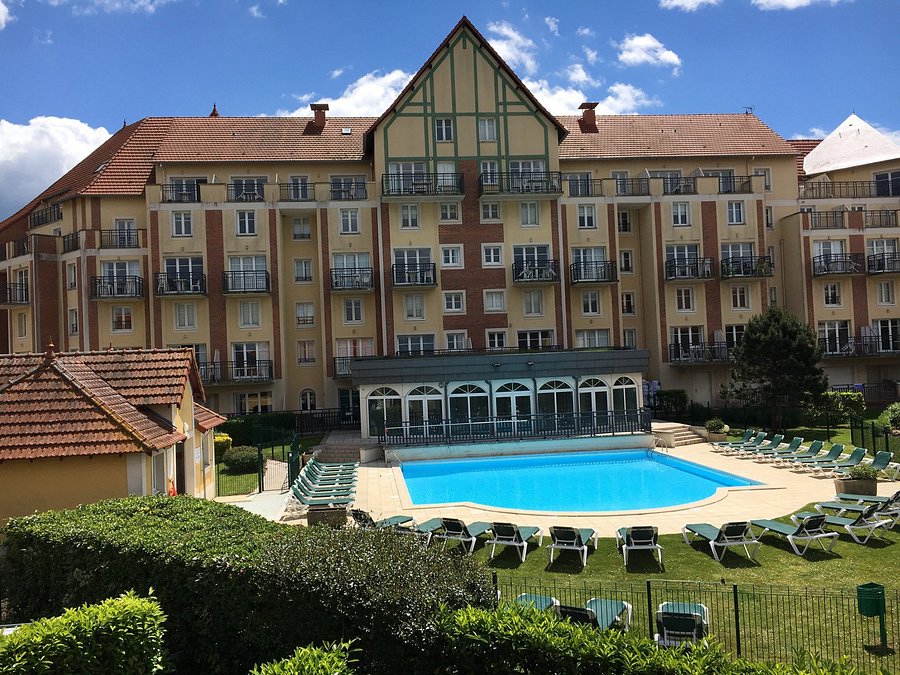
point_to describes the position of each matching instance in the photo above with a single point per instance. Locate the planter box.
(868, 486)
(326, 515)
(712, 437)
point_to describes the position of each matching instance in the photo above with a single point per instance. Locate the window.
(528, 214)
(490, 173)
(685, 336)
(185, 316)
(253, 403)
(629, 338)
(350, 347)
(21, 324)
(306, 352)
(251, 360)
(534, 339)
(681, 214)
(495, 301)
(72, 275)
(305, 313)
(741, 249)
(449, 212)
(740, 297)
(589, 264)
(593, 337)
(487, 129)
(526, 167)
(302, 270)
(490, 211)
(533, 303)
(451, 256)
(888, 332)
(881, 247)
(301, 228)
(628, 303)
(456, 341)
(887, 184)
(182, 273)
(496, 339)
(415, 344)
(684, 299)
(454, 302)
(181, 224)
(725, 176)
(307, 399)
(158, 473)
(492, 255)
(73, 322)
(443, 129)
(348, 187)
(353, 310)
(828, 247)
(886, 293)
(773, 295)
(349, 221)
(835, 336)
(299, 188)
(246, 223)
(735, 213)
(586, 220)
(770, 218)
(533, 261)
(414, 306)
(590, 303)
(579, 184)
(621, 178)
(249, 314)
(671, 182)
(623, 221)
(767, 177)
(832, 294)
(409, 216)
(125, 234)
(626, 263)
(121, 319)
(249, 189)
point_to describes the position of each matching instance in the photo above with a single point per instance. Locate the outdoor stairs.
(673, 435)
(337, 453)
(343, 446)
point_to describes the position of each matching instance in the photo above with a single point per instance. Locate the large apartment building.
(495, 259)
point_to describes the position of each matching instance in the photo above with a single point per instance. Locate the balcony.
(419, 274)
(593, 272)
(113, 287)
(348, 192)
(71, 242)
(118, 239)
(421, 184)
(13, 294)
(881, 263)
(585, 187)
(246, 281)
(180, 194)
(852, 189)
(681, 269)
(838, 263)
(826, 220)
(47, 215)
(680, 186)
(297, 192)
(534, 183)
(700, 352)
(180, 284)
(536, 272)
(870, 345)
(633, 187)
(342, 366)
(880, 218)
(735, 185)
(352, 279)
(747, 266)
(238, 192)
(223, 372)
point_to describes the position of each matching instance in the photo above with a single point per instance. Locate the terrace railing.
(838, 263)
(883, 262)
(593, 272)
(700, 352)
(747, 266)
(529, 182)
(735, 184)
(423, 184)
(689, 268)
(180, 194)
(46, 215)
(826, 220)
(880, 218)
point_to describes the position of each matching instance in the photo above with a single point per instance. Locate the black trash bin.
(870, 599)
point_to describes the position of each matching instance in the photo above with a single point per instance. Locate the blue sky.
(73, 70)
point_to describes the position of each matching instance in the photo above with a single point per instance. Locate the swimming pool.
(619, 480)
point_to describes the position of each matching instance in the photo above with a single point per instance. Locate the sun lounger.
(365, 521)
(855, 458)
(808, 530)
(679, 622)
(830, 456)
(888, 507)
(738, 533)
(718, 446)
(541, 602)
(866, 521)
(757, 440)
(847, 497)
(508, 534)
(642, 538)
(467, 535)
(791, 449)
(572, 539)
(879, 463)
(752, 451)
(810, 453)
(311, 489)
(610, 613)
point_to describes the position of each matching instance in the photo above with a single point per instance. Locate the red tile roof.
(205, 419)
(624, 136)
(803, 146)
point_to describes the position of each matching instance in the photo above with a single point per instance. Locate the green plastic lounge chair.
(751, 451)
(334, 476)
(572, 539)
(610, 614)
(311, 489)
(757, 440)
(879, 462)
(718, 446)
(365, 521)
(332, 465)
(809, 453)
(847, 497)
(453, 528)
(333, 500)
(791, 449)
(856, 457)
(888, 507)
(580, 615)
(830, 456)
(679, 622)
(507, 534)
(808, 530)
(737, 533)
(641, 538)
(866, 521)
(541, 602)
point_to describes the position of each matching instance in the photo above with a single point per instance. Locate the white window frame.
(497, 302)
(629, 303)
(245, 223)
(490, 212)
(885, 292)
(454, 302)
(681, 214)
(301, 228)
(456, 341)
(496, 339)
(414, 306)
(21, 325)
(587, 217)
(767, 177)
(349, 219)
(770, 218)
(529, 214)
(119, 314)
(491, 255)
(448, 212)
(71, 275)
(684, 299)
(626, 261)
(73, 321)
(443, 129)
(623, 222)
(300, 278)
(182, 224)
(353, 311)
(487, 129)
(590, 303)
(736, 215)
(306, 352)
(185, 316)
(409, 216)
(588, 338)
(831, 294)
(740, 298)
(629, 337)
(451, 256)
(533, 303)
(249, 314)
(305, 314)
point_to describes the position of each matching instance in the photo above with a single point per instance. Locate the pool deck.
(382, 492)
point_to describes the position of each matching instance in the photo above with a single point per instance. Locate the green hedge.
(237, 588)
(122, 635)
(241, 459)
(270, 426)
(330, 659)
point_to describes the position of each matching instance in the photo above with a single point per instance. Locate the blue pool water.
(616, 480)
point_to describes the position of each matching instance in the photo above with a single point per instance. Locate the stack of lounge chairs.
(323, 484)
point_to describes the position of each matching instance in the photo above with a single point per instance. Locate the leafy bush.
(893, 415)
(715, 425)
(267, 425)
(222, 444)
(862, 472)
(120, 635)
(671, 402)
(854, 403)
(241, 459)
(329, 659)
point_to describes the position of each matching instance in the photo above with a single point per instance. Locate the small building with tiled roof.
(78, 427)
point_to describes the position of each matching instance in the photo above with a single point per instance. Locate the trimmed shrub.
(120, 635)
(893, 415)
(222, 444)
(241, 459)
(671, 403)
(329, 659)
(715, 425)
(854, 403)
(241, 429)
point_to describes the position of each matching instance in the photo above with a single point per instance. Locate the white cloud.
(38, 153)
(894, 135)
(637, 50)
(5, 17)
(552, 24)
(517, 50)
(625, 99)
(86, 7)
(577, 75)
(584, 31)
(336, 73)
(687, 5)
(256, 12)
(44, 36)
(370, 95)
(767, 5)
(558, 100)
(814, 132)
(622, 99)
(589, 54)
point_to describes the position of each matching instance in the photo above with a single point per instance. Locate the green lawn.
(229, 484)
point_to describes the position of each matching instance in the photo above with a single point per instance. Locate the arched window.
(513, 400)
(556, 397)
(385, 410)
(625, 395)
(425, 408)
(307, 399)
(468, 402)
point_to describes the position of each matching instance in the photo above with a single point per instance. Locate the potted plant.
(716, 429)
(859, 480)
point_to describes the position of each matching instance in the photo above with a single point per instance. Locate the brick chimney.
(318, 113)
(588, 116)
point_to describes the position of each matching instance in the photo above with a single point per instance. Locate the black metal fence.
(874, 437)
(763, 623)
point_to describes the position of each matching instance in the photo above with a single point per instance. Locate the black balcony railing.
(297, 192)
(342, 366)
(417, 274)
(826, 220)
(246, 281)
(349, 192)
(887, 344)
(117, 287)
(747, 266)
(239, 192)
(46, 215)
(593, 272)
(735, 185)
(584, 187)
(680, 186)
(352, 279)
(71, 242)
(535, 271)
(880, 219)
(180, 194)
(850, 189)
(180, 284)
(883, 262)
(838, 263)
(118, 239)
(700, 352)
(212, 372)
(13, 294)
(633, 187)
(21, 247)
(689, 268)
(427, 184)
(528, 182)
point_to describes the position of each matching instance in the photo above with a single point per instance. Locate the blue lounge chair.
(808, 530)
(856, 457)
(572, 539)
(610, 613)
(641, 538)
(737, 533)
(867, 521)
(508, 534)
(467, 535)
(880, 462)
(542, 602)
(680, 622)
(830, 456)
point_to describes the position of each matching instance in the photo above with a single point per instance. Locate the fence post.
(651, 615)
(496, 588)
(737, 620)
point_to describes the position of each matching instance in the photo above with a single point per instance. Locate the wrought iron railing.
(686, 185)
(633, 187)
(246, 281)
(21, 247)
(584, 187)
(117, 287)
(348, 192)
(883, 262)
(873, 392)
(180, 284)
(735, 184)
(352, 279)
(850, 189)
(541, 271)
(826, 220)
(747, 266)
(343, 366)
(427, 184)
(238, 192)
(46, 215)
(297, 192)
(118, 239)
(838, 263)
(13, 294)
(868, 345)
(700, 352)
(414, 274)
(593, 272)
(880, 218)
(260, 370)
(689, 268)
(71, 242)
(528, 182)
(181, 194)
